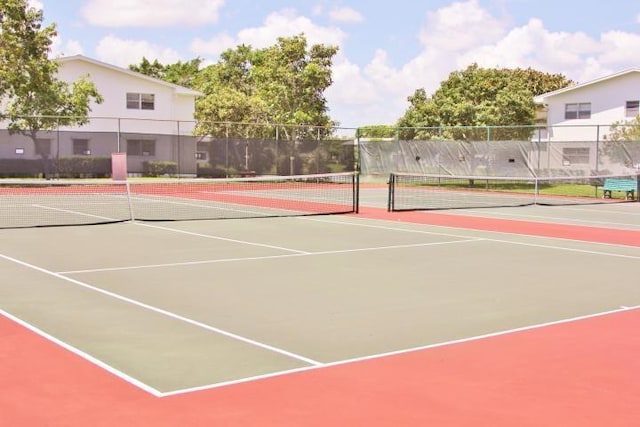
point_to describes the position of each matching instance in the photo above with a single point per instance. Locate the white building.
(578, 121)
(149, 119)
(585, 111)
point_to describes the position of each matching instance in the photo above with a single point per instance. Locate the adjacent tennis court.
(504, 316)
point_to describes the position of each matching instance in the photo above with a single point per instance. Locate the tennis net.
(38, 203)
(426, 192)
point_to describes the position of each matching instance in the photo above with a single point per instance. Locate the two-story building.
(578, 121)
(147, 118)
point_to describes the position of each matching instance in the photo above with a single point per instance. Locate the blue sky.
(387, 49)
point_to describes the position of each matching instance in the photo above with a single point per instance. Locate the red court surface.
(579, 373)
(530, 228)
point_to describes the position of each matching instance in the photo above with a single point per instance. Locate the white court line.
(78, 213)
(164, 312)
(170, 201)
(403, 351)
(209, 236)
(258, 258)
(467, 238)
(600, 211)
(485, 214)
(83, 355)
(479, 231)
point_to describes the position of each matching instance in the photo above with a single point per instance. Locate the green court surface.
(177, 306)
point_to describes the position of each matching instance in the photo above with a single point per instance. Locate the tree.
(180, 73)
(623, 142)
(479, 97)
(34, 98)
(625, 130)
(377, 131)
(256, 89)
(283, 84)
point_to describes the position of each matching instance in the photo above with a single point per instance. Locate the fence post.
(179, 148)
(277, 144)
(57, 163)
(597, 148)
(226, 150)
(118, 135)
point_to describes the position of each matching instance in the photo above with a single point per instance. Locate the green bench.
(628, 185)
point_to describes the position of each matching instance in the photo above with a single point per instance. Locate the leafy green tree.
(623, 142)
(152, 69)
(34, 98)
(625, 130)
(377, 131)
(478, 97)
(257, 89)
(180, 73)
(283, 84)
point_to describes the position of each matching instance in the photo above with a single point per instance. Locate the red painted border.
(530, 228)
(582, 373)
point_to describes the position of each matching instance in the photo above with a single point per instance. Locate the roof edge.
(180, 90)
(541, 98)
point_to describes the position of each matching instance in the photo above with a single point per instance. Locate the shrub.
(159, 168)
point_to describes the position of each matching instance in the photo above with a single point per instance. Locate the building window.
(580, 110)
(632, 108)
(141, 147)
(575, 156)
(141, 101)
(81, 147)
(201, 155)
(43, 147)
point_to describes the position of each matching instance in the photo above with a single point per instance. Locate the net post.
(390, 193)
(128, 188)
(356, 193)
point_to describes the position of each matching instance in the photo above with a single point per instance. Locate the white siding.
(608, 99)
(171, 105)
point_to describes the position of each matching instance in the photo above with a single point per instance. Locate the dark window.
(147, 101)
(141, 147)
(141, 101)
(580, 110)
(81, 147)
(201, 155)
(632, 108)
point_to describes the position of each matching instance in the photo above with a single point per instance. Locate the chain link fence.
(490, 151)
(171, 148)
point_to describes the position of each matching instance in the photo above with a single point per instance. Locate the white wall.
(607, 98)
(113, 85)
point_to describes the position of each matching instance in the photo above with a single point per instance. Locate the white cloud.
(214, 46)
(287, 23)
(35, 4)
(459, 27)
(451, 38)
(121, 52)
(151, 13)
(461, 33)
(60, 47)
(284, 23)
(620, 48)
(346, 14)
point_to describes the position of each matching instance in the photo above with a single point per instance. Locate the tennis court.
(505, 316)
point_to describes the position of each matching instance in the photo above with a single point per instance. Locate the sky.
(387, 49)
